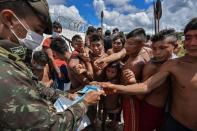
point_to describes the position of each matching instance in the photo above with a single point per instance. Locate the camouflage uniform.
(26, 104)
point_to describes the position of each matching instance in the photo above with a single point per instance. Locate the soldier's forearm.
(74, 115)
(52, 94)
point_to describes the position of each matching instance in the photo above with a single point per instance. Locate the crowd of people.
(139, 75)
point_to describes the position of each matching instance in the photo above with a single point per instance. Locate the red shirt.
(47, 42)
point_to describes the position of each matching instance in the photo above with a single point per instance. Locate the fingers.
(93, 83)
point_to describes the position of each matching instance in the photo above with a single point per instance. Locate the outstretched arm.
(141, 88)
(113, 57)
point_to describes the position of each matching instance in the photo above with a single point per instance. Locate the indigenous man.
(117, 45)
(152, 106)
(134, 56)
(80, 68)
(183, 73)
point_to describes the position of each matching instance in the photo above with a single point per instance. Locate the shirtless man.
(80, 68)
(97, 47)
(133, 48)
(183, 73)
(135, 57)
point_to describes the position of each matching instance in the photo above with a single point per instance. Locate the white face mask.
(55, 34)
(32, 39)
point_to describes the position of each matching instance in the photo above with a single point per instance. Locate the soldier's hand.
(93, 97)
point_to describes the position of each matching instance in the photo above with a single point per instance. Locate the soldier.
(25, 104)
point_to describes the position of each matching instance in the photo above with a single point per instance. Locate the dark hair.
(107, 33)
(119, 37)
(115, 64)
(192, 25)
(138, 32)
(14, 6)
(163, 34)
(59, 45)
(76, 37)
(148, 37)
(57, 25)
(95, 38)
(90, 30)
(99, 28)
(115, 29)
(40, 57)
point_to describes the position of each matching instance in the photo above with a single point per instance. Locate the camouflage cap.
(41, 9)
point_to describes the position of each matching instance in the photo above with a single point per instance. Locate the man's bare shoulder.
(150, 66)
(149, 69)
(170, 65)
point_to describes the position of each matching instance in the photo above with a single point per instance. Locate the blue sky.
(125, 14)
(88, 12)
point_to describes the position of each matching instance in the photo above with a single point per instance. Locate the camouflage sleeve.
(22, 107)
(51, 94)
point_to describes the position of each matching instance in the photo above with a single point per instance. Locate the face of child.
(191, 42)
(97, 48)
(78, 45)
(133, 45)
(38, 65)
(162, 50)
(117, 45)
(111, 73)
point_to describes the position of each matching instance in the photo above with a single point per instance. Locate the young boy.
(60, 52)
(41, 69)
(97, 47)
(80, 68)
(183, 74)
(152, 108)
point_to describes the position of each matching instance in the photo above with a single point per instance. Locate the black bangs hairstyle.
(192, 25)
(163, 34)
(139, 33)
(95, 38)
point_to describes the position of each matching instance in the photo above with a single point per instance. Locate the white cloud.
(175, 14)
(67, 12)
(124, 21)
(56, 2)
(117, 2)
(68, 16)
(149, 1)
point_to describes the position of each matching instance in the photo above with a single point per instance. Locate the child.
(134, 56)
(112, 106)
(61, 53)
(97, 47)
(41, 69)
(80, 68)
